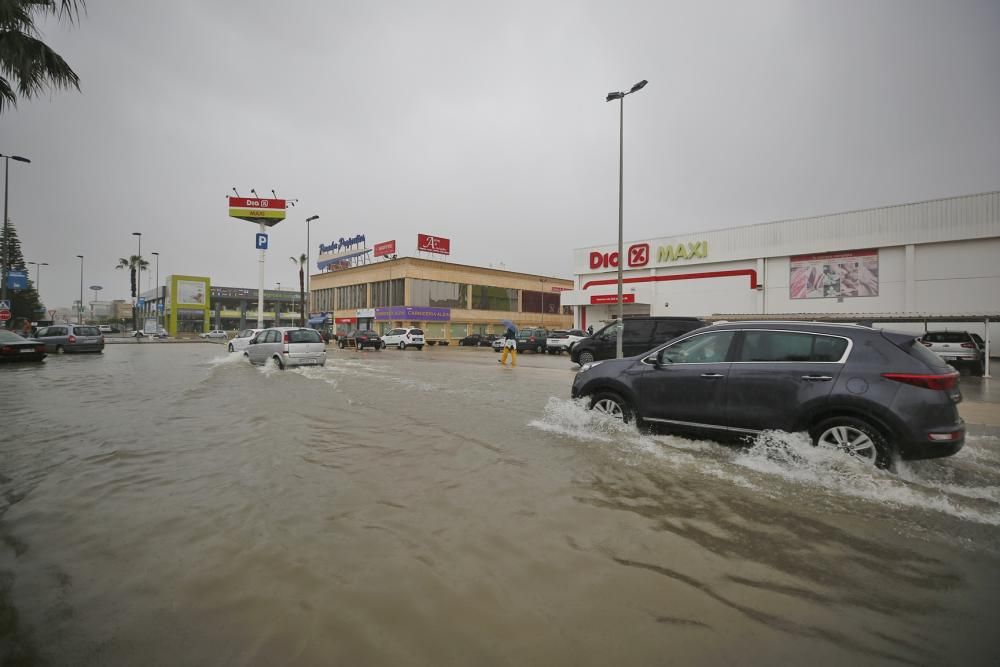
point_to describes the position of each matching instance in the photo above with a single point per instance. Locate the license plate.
(950, 358)
(26, 350)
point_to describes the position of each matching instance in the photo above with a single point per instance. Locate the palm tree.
(301, 261)
(27, 63)
(135, 264)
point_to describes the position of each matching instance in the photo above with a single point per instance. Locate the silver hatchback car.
(287, 346)
(69, 338)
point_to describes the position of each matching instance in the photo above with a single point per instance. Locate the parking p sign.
(261, 241)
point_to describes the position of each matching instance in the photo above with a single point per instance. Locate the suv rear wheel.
(585, 358)
(611, 404)
(402, 345)
(855, 437)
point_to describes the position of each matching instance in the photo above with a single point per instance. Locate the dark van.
(641, 335)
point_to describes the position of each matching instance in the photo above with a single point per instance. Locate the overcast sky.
(486, 123)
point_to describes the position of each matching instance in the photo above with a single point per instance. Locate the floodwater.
(171, 505)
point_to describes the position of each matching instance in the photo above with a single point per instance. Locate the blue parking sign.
(261, 241)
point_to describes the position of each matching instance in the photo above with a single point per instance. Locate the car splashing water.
(171, 504)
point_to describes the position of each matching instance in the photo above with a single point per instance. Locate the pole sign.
(4, 315)
(434, 244)
(261, 241)
(5, 305)
(385, 249)
(17, 280)
(267, 211)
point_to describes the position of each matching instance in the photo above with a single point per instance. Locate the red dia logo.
(603, 260)
(638, 254)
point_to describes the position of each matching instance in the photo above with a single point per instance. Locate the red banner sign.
(436, 244)
(345, 320)
(244, 202)
(386, 248)
(611, 298)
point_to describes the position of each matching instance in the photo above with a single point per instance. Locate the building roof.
(443, 265)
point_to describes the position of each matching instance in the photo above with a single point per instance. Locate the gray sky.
(486, 123)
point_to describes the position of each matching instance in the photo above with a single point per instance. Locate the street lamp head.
(80, 256)
(614, 96)
(43, 264)
(312, 217)
(18, 158)
(136, 233)
(639, 86)
(155, 253)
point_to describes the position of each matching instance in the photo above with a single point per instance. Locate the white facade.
(938, 257)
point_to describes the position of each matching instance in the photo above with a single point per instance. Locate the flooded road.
(171, 505)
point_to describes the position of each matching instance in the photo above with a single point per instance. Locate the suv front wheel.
(611, 404)
(585, 358)
(855, 437)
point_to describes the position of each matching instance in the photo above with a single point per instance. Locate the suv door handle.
(817, 378)
(712, 375)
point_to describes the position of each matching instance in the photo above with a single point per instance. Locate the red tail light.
(968, 345)
(6, 349)
(943, 382)
(72, 338)
(39, 348)
(284, 338)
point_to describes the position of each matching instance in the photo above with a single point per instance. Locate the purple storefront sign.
(413, 313)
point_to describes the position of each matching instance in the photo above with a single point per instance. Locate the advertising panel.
(611, 298)
(413, 313)
(191, 292)
(435, 244)
(833, 275)
(268, 211)
(385, 249)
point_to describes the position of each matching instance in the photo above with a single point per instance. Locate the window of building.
(433, 330)
(437, 294)
(458, 330)
(494, 298)
(539, 302)
(352, 296)
(190, 320)
(323, 300)
(388, 293)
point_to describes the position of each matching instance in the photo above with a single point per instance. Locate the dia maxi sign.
(266, 213)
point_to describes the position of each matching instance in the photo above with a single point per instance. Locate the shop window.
(434, 330)
(539, 302)
(494, 298)
(458, 330)
(437, 294)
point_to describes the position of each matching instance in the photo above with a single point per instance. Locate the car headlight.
(587, 367)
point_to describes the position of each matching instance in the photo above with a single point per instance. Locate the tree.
(26, 63)
(24, 304)
(301, 261)
(135, 264)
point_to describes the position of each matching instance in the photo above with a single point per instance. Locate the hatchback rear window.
(304, 336)
(947, 337)
(416, 332)
(87, 331)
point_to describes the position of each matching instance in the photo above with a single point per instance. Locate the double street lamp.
(308, 227)
(138, 283)
(79, 311)
(6, 238)
(38, 277)
(621, 164)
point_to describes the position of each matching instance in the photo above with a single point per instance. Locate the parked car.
(959, 348)
(641, 334)
(478, 340)
(287, 346)
(139, 333)
(531, 339)
(403, 338)
(875, 394)
(19, 348)
(563, 341)
(69, 338)
(497, 343)
(362, 339)
(241, 340)
(214, 333)
(107, 328)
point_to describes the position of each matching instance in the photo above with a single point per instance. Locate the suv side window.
(790, 346)
(708, 348)
(42, 332)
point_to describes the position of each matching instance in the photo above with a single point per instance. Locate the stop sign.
(4, 315)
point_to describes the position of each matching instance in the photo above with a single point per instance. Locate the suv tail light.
(943, 382)
(72, 338)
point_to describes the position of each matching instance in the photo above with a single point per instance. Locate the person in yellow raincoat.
(509, 347)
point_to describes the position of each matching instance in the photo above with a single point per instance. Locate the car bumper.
(934, 449)
(318, 360)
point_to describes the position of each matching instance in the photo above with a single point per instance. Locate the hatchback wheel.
(612, 405)
(402, 345)
(60, 350)
(854, 437)
(277, 363)
(585, 358)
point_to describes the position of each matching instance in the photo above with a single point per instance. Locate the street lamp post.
(159, 294)
(138, 283)
(308, 247)
(38, 277)
(621, 166)
(79, 311)
(6, 239)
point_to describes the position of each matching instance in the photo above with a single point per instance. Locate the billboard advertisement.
(190, 292)
(385, 249)
(252, 209)
(834, 275)
(435, 244)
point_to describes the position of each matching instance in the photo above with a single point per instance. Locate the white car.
(403, 338)
(287, 346)
(563, 341)
(214, 333)
(241, 340)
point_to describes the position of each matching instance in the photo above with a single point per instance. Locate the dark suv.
(532, 339)
(641, 334)
(875, 394)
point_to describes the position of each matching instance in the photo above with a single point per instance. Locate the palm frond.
(33, 65)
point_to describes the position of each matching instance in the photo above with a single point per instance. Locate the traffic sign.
(4, 315)
(5, 305)
(159, 307)
(141, 302)
(261, 241)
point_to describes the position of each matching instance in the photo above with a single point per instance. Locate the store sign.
(342, 244)
(435, 244)
(674, 253)
(385, 249)
(834, 275)
(413, 313)
(268, 211)
(598, 299)
(637, 255)
(346, 320)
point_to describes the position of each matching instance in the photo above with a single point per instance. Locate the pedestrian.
(26, 329)
(509, 346)
(590, 330)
